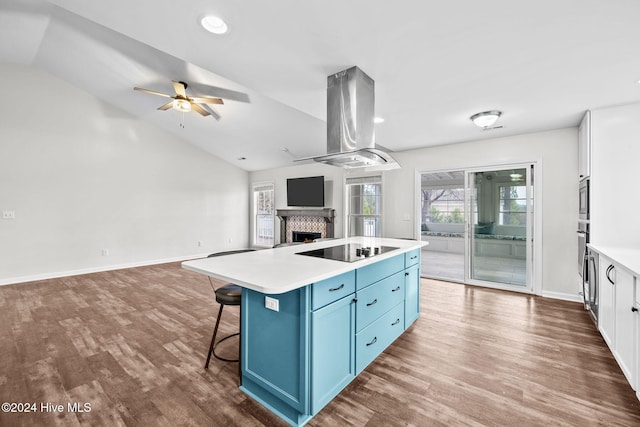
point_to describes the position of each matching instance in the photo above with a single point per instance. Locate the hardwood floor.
(133, 343)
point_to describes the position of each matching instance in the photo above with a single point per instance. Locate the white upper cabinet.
(615, 156)
(584, 146)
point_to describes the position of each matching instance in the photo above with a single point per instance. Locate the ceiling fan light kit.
(486, 119)
(181, 105)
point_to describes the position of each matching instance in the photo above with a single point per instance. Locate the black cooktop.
(348, 253)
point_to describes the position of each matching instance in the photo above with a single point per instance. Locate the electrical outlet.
(199, 242)
(105, 252)
(8, 215)
(272, 303)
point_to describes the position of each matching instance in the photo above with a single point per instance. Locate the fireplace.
(304, 236)
(316, 222)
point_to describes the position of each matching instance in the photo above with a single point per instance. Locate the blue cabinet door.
(275, 351)
(412, 294)
(332, 351)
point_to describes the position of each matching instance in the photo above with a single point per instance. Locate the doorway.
(479, 224)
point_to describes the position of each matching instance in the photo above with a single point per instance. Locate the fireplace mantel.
(327, 213)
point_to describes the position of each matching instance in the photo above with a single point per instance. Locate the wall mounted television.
(305, 192)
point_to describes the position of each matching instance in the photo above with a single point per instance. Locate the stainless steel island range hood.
(350, 126)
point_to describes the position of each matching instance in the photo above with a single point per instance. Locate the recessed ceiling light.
(378, 120)
(214, 24)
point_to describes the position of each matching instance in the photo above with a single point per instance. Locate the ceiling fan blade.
(166, 106)
(152, 92)
(180, 89)
(198, 109)
(212, 111)
(224, 93)
(206, 100)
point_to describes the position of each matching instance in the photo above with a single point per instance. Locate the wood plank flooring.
(132, 343)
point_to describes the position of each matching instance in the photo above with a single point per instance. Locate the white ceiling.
(542, 63)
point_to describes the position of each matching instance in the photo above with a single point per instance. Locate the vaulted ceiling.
(434, 64)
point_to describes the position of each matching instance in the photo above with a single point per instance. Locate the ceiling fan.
(183, 103)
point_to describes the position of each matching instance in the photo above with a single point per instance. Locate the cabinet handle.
(633, 309)
(609, 270)
(414, 257)
(373, 302)
(406, 274)
(336, 289)
(396, 289)
(375, 339)
(396, 322)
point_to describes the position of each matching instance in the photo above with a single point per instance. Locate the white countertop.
(629, 258)
(279, 270)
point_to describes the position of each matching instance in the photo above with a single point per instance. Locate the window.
(512, 205)
(263, 211)
(443, 205)
(364, 206)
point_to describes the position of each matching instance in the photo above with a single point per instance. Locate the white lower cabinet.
(606, 305)
(618, 316)
(625, 323)
(637, 305)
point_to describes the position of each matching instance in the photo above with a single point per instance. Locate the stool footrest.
(216, 344)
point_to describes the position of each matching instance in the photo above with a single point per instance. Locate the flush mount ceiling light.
(214, 24)
(486, 118)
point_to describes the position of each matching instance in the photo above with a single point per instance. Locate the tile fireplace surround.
(309, 220)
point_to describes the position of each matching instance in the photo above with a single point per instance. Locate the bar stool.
(229, 294)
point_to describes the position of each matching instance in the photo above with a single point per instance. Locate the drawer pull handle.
(633, 309)
(396, 289)
(373, 302)
(414, 257)
(375, 339)
(406, 274)
(336, 289)
(396, 322)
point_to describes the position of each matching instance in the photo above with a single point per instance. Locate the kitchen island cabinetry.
(299, 358)
(310, 325)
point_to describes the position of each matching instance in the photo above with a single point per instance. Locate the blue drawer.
(372, 341)
(332, 289)
(377, 299)
(411, 258)
(370, 274)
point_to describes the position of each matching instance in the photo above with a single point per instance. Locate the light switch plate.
(272, 303)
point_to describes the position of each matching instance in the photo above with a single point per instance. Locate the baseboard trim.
(58, 274)
(562, 296)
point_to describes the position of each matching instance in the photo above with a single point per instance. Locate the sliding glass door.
(501, 204)
(479, 225)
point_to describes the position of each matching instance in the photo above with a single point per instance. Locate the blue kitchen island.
(314, 316)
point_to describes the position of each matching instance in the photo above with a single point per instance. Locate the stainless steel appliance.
(350, 124)
(587, 260)
(583, 239)
(590, 284)
(583, 199)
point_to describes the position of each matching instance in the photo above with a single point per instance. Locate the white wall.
(557, 152)
(83, 176)
(334, 188)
